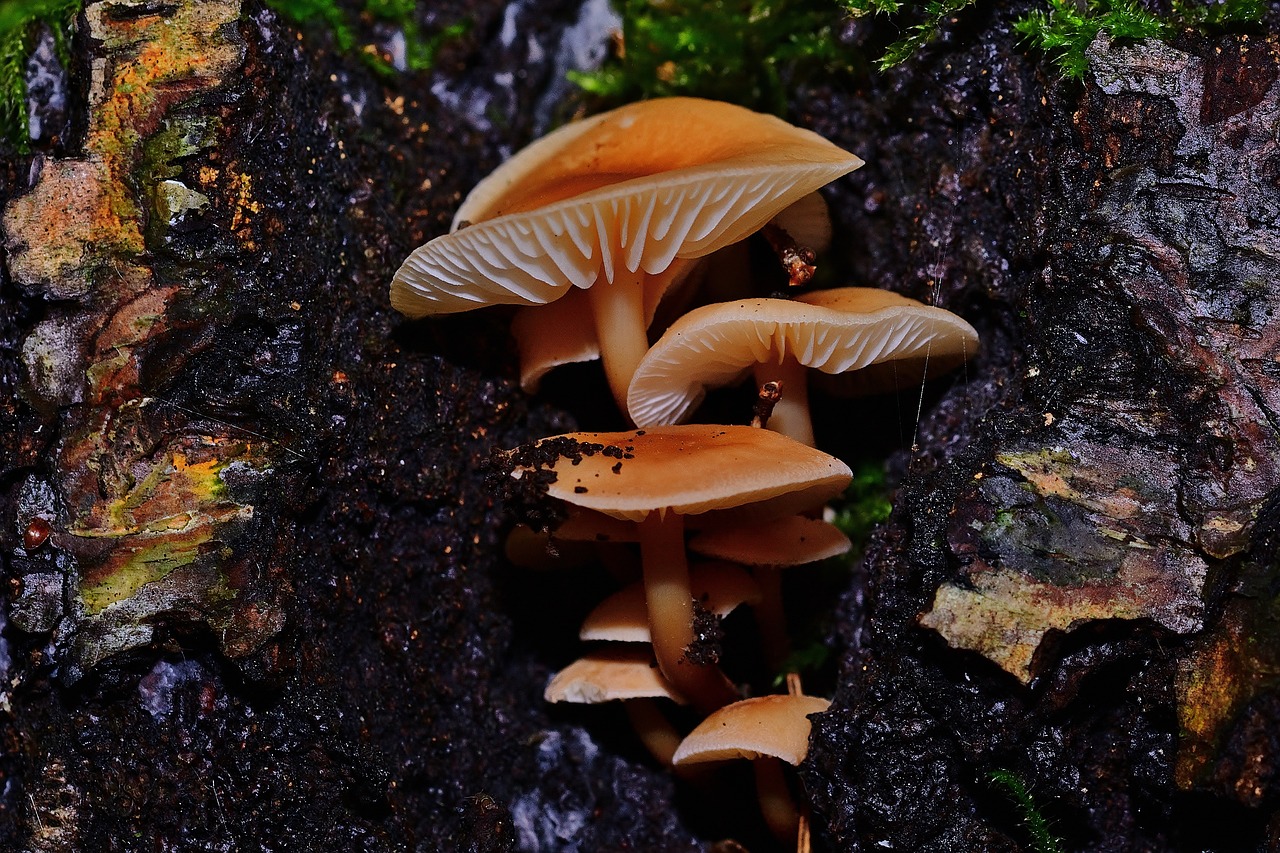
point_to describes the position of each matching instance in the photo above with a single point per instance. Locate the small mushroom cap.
(790, 541)
(604, 676)
(637, 187)
(623, 616)
(957, 343)
(692, 470)
(766, 725)
(832, 331)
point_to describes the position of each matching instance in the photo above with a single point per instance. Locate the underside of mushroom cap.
(766, 725)
(791, 541)
(564, 331)
(634, 188)
(693, 470)
(954, 347)
(831, 331)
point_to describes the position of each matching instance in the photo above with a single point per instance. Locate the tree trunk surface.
(255, 588)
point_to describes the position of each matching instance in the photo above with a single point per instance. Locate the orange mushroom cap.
(777, 726)
(694, 469)
(613, 674)
(636, 187)
(791, 541)
(832, 331)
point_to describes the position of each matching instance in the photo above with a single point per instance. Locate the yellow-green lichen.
(140, 561)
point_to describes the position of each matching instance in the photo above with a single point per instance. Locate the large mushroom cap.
(833, 331)
(766, 725)
(635, 187)
(691, 470)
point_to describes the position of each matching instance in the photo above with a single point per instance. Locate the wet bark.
(255, 593)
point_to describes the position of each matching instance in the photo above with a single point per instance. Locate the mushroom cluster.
(602, 233)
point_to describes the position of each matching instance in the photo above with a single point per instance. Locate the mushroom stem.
(776, 805)
(791, 413)
(653, 728)
(618, 310)
(771, 619)
(669, 600)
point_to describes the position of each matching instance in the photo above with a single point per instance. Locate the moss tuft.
(748, 53)
(864, 505)
(420, 48)
(1065, 28)
(1042, 839)
(18, 22)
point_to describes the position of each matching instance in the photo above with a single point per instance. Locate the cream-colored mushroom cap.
(766, 725)
(790, 541)
(691, 470)
(615, 674)
(635, 187)
(623, 616)
(832, 331)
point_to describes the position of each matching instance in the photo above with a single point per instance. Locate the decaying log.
(1087, 515)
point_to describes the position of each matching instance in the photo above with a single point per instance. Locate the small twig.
(798, 260)
(770, 394)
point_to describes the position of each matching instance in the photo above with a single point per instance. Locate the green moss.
(18, 22)
(1065, 28)
(1065, 31)
(420, 48)
(1042, 839)
(865, 504)
(325, 12)
(749, 53)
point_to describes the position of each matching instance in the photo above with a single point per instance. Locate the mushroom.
(767, 730)
(607, 205)
(719, 587)
(533, 549)
(833, 331)
(768, 548)
(563, 332)
(630, 676)
(655, 478)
